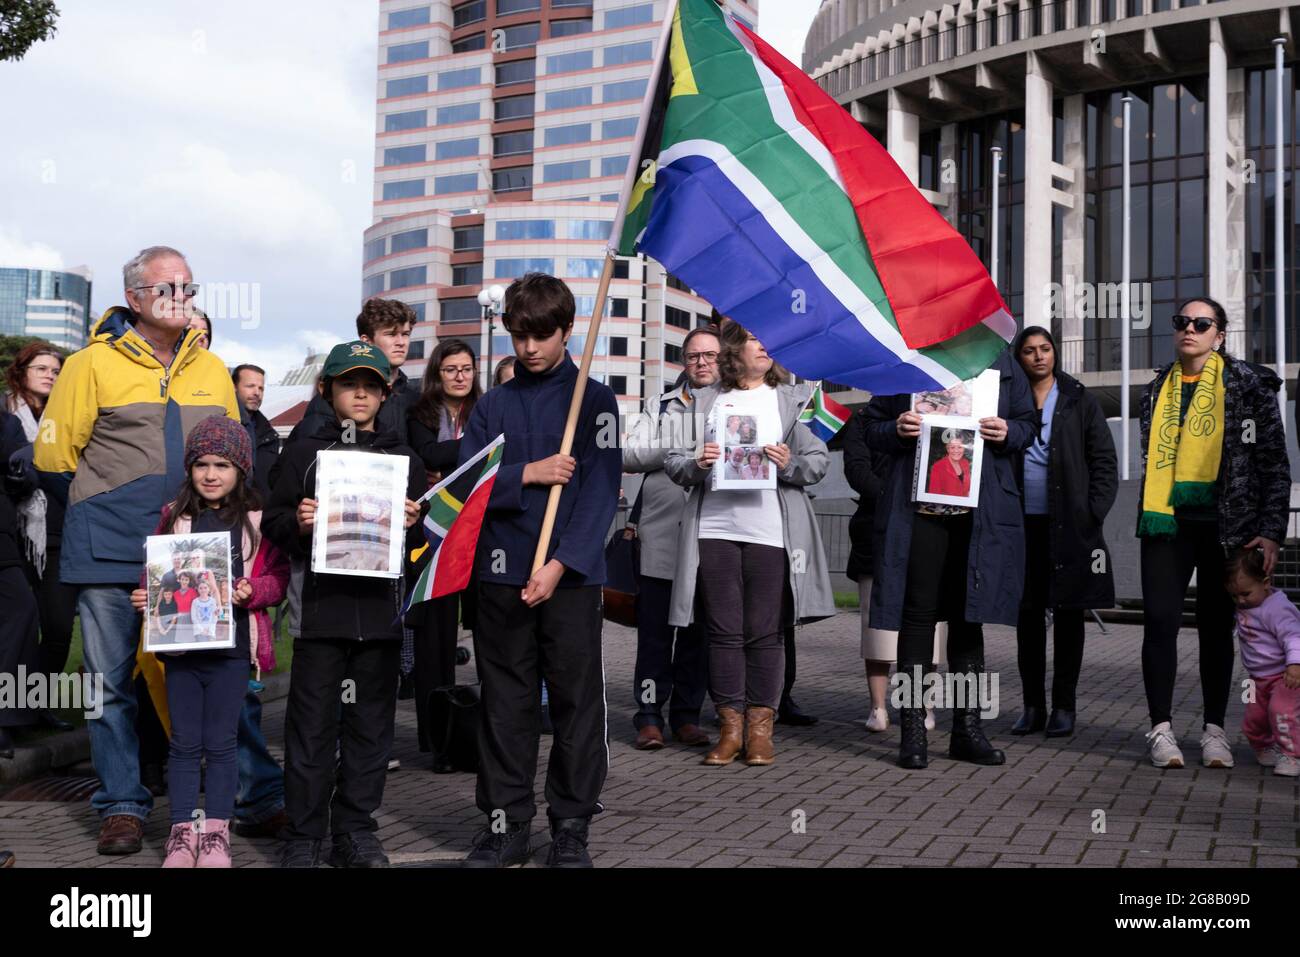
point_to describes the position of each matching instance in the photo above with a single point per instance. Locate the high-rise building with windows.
(504, 132)
(943, 84)
(51, 304)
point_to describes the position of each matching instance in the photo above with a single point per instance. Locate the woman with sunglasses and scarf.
(1215, 482)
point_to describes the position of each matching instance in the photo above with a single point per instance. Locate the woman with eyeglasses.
(435, 425)
(1215, 483)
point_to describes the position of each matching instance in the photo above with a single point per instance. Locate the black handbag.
(622, 569)
(453, 713)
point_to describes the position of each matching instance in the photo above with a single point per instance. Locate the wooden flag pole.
(571, 424)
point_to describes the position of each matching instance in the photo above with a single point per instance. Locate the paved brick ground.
(666, 810)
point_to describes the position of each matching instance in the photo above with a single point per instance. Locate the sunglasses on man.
(1199, 323)
(167, 290)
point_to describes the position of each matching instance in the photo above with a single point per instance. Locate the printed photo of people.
(948, 459)
(189, 592)
(748, 463)
(362, 504)
(955, 401)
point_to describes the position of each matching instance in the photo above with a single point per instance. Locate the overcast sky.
(241, 133)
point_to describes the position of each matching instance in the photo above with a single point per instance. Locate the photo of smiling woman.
(950, 474)
(1211, 489)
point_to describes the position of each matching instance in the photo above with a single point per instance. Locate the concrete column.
(1038, 196)
(1074, 236)
(903, 137)
(1234, 250)
(1216, 156)
(949, 171)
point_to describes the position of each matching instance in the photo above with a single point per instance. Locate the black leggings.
(1167, 565)
(1031, 628)
(936, 591)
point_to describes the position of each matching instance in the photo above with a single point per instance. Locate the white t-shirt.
(747, 515)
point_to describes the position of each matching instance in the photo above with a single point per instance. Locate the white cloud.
(257, 207)
(275, 359)
(17, 253)
(785, 23)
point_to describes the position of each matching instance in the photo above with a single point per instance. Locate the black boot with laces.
(569, 843)
(493, 848)
(912, 748)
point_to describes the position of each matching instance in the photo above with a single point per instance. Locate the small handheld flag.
(456, 507)
(823, 415)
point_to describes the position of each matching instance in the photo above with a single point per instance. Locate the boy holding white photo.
(349, 640)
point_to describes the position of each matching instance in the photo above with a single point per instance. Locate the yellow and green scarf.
(1183, 462)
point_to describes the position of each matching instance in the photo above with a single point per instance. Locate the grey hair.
(133, 271)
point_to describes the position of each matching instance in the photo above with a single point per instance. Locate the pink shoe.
(182, 847)
(214, 844)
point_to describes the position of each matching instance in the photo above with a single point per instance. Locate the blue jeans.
(261, 780)
(110, 633)
(205, 695)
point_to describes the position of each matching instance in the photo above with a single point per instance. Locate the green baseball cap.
(348, 356)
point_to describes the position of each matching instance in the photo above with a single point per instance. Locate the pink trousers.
(1274, 716)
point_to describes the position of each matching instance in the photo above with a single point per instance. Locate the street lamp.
(491, 299)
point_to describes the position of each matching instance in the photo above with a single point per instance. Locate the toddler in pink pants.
(1268, 630)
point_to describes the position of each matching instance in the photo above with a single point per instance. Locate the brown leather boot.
(758, 736)
(730, 739)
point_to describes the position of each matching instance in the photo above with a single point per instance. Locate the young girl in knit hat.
(205, 689)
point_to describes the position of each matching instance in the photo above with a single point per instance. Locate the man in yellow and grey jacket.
(111, 445)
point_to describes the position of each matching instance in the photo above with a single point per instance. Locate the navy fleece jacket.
(530, 410)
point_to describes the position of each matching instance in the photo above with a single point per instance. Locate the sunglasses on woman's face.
(1199, 323)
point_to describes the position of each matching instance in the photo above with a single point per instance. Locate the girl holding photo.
(205, 689)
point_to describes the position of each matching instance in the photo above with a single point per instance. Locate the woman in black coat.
(20, 621)
(947, 562)
(1070, 477)
(435, 425)
(1198, 526)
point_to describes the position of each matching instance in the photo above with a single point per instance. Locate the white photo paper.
(949, 456)
(975, 398)
(360, 514)
(188, 583)
(743, 421)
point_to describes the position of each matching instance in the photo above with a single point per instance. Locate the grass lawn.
(846, 599)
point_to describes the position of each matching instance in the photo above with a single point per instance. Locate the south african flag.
(823, 415)
(456, 507)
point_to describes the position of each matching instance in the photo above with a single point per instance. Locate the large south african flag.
(456, 507)
(760, 192)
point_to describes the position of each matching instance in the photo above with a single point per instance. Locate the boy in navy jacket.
(544, 625)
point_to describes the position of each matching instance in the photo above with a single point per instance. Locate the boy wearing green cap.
(348, 644)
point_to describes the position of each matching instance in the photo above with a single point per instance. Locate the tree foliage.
(23, 23)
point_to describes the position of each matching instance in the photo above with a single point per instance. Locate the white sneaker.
(1267, 757)
(929, 719)
(879, 720)
(1164, 746)
(1287, 766)
(1215, 752)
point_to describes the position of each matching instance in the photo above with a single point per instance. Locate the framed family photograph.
(188, 583)
(742, 424)
(360, 514)
(949, 456)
